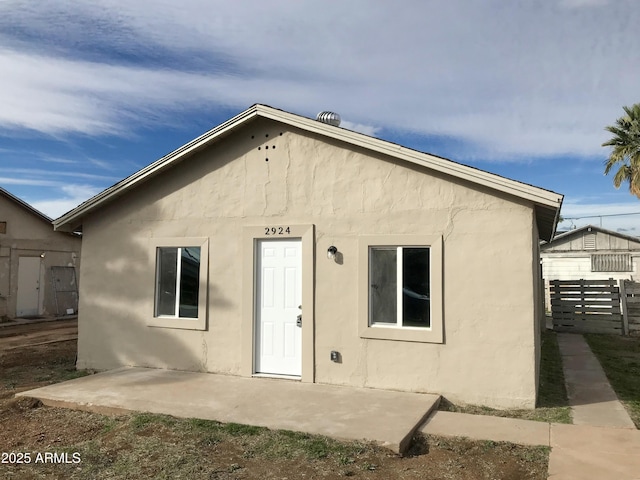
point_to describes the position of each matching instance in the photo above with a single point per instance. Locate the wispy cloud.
(101, 164)
(72, 196)
(583, 3)
(359, 127)
(510, 79)
(36, 172)
(65, 161)
(617, 216)
(597, 209)
(29, 181)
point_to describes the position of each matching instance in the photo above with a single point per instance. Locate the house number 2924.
(277, 230)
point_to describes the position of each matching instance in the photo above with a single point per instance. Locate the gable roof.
(24, 205)
(547, 203)
(588, 228)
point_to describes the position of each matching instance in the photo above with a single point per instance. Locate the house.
(281, 246)
(590, 253)
(37, 264)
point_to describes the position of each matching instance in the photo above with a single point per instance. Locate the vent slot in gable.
(589, 241)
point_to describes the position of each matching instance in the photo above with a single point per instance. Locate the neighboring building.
(37, 264)
(277, 245)
(590, 253)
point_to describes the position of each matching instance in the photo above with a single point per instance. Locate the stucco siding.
(488, 352)
(28, 235)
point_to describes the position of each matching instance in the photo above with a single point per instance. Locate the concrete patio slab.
(386, 417)
(592, 400)
(482, 427)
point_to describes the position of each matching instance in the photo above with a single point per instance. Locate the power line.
(600, 216)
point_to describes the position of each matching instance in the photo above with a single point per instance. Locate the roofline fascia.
(600, 229)
(496, 182)
(536, 195)
(26, 206)
(149, 170)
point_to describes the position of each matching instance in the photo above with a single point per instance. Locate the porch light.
(331, 252)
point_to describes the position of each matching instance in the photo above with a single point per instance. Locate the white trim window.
(399, 286)
(177, 282)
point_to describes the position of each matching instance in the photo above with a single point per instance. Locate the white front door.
(278, 298)
(28, 299)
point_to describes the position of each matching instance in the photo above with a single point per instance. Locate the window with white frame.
(177, 282)
(399, 286)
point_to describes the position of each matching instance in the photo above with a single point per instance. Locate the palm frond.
(622, 175)
(625, 149)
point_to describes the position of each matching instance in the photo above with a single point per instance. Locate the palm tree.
(626, 149)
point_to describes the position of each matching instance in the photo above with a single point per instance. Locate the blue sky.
(92, 91)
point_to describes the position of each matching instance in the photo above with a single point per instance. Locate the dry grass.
(620, 359)
(552, 405)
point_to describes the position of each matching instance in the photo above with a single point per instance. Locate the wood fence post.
(623, 307)
(582, 299)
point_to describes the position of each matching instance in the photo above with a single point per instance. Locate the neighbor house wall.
(28, 235)
(488, 353)
(567, 259)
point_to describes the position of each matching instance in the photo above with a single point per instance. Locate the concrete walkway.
(386, 417)
(603, 443)
(592, 400)
(578, 452)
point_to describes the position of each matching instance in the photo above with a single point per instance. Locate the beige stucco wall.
(488, 354)
(538, 295)
(27, 235)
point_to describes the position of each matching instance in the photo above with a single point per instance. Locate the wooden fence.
(586, 306)
(630, 296)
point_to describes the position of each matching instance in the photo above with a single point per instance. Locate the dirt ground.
(18, 336)
(65, 444)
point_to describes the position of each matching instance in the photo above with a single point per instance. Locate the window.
(177, 281)
(3, 227)
(399, 287)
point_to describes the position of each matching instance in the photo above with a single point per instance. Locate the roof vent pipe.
(329, 117)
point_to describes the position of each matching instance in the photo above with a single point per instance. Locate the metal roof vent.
(329, 117)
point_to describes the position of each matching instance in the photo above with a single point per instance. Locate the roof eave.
(491, 180)
(73, 219)
(594, 227)
(26, 206)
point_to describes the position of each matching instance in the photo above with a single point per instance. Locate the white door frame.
(250, 237)
(278, 311)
